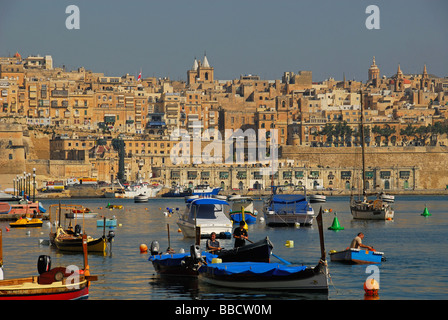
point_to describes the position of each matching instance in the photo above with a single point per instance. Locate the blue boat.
(266, 276)
(356, 256)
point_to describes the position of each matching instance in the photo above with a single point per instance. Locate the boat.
(356, 256)
(207, 214)
(106, 222)
(80, 213)
(183, 264)
(269, 276)
(288, 210)
(114, 206)
(318, 198)
(243, 209)
(24, 222)
(72, 241)
(142, 188)
(387, 197)
(60, 283)
(177, 191)
(5, 207)
(141, 198)
(205, 190)
(22, 207)
(362, 208)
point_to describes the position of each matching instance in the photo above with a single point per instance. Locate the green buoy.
(426, 213)
(336, 225)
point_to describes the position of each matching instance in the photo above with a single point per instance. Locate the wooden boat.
(183, 264)
(288, 210)
(51, 284)
(106, 222)
(67, 241)
(356, 256)
(362, 208)
(26, 223)
(208, 214)
(243, 209)
(269, 276)
(22, 207)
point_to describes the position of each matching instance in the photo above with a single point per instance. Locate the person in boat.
(357, 242)
(212, 244)
(240, 235)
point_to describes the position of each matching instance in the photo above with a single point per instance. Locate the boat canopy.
(289, 203)
(256, 268)
(201, 201)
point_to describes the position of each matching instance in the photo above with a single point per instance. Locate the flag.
(139, 78)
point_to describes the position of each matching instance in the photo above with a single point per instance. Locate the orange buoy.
(179, 230)
(7, 229)
(371, 287)
(143, 248)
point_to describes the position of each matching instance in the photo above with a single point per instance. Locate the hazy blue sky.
(259, 37)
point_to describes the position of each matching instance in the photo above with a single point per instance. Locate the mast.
(363, 149)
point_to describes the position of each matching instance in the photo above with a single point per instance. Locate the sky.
(258, 37)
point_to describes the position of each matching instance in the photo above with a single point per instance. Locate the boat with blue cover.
(270, 276)
(205, 190)
(357, 256)
(288, 210)
(181, 263)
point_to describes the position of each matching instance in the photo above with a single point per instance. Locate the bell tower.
(374, 73)
(201, 72)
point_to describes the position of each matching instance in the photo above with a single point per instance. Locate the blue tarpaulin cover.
(200, 201)
(258, 268)
(288, 203)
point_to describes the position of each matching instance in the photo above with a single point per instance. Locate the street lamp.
(34, 184)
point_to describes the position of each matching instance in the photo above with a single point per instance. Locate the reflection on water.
(412, 244)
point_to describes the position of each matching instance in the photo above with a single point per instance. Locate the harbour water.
(415, 248)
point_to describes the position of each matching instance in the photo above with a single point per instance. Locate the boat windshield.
(206, 211)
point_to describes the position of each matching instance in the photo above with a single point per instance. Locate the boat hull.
(75, 245)
(259, 251)
(365, 212)
(357, 256)
(249, 217)
(275, 219)
(276, 277)
(223, 231)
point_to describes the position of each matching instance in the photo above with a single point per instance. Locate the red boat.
(58, 283)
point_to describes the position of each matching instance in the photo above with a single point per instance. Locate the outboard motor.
(110, 236)
(43, 264)
(77, 230)
(155, 247)
(195, 259)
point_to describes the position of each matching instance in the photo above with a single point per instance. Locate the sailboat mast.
(363, 149)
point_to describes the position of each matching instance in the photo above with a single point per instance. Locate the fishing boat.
(142, 188)
(141, 198)
(205, 190)
(72, 241)
(58, 283)
(318, 198)
(207, 214)
(243, 209)
(177, 192)
(288, 210)
(362, 208)
(24, 222)
(269, 276)
(183, 263)
(356, 256)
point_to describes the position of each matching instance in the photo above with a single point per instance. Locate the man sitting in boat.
(357, 242)
(212, 244)
(240, 235)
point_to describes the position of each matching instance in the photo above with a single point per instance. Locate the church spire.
(195, 64)
(205, 62)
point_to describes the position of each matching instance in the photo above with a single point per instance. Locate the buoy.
(426, 213)
(120, 225)
(143, 248)
(371, 287)
(336, 225)
(179, 230)
(7, 229)
(297, 225)
(289, 243)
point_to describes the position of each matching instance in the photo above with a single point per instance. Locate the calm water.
(415, 248)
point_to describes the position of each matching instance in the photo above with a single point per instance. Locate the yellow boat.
(26, 223)
(66, 241)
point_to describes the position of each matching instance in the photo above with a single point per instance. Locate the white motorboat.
(288, 210)
(142, 188)
(317, 198)
(141, 198)
(207, 214)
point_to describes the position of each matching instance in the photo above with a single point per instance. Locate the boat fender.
(43, 264)
(155, 247)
